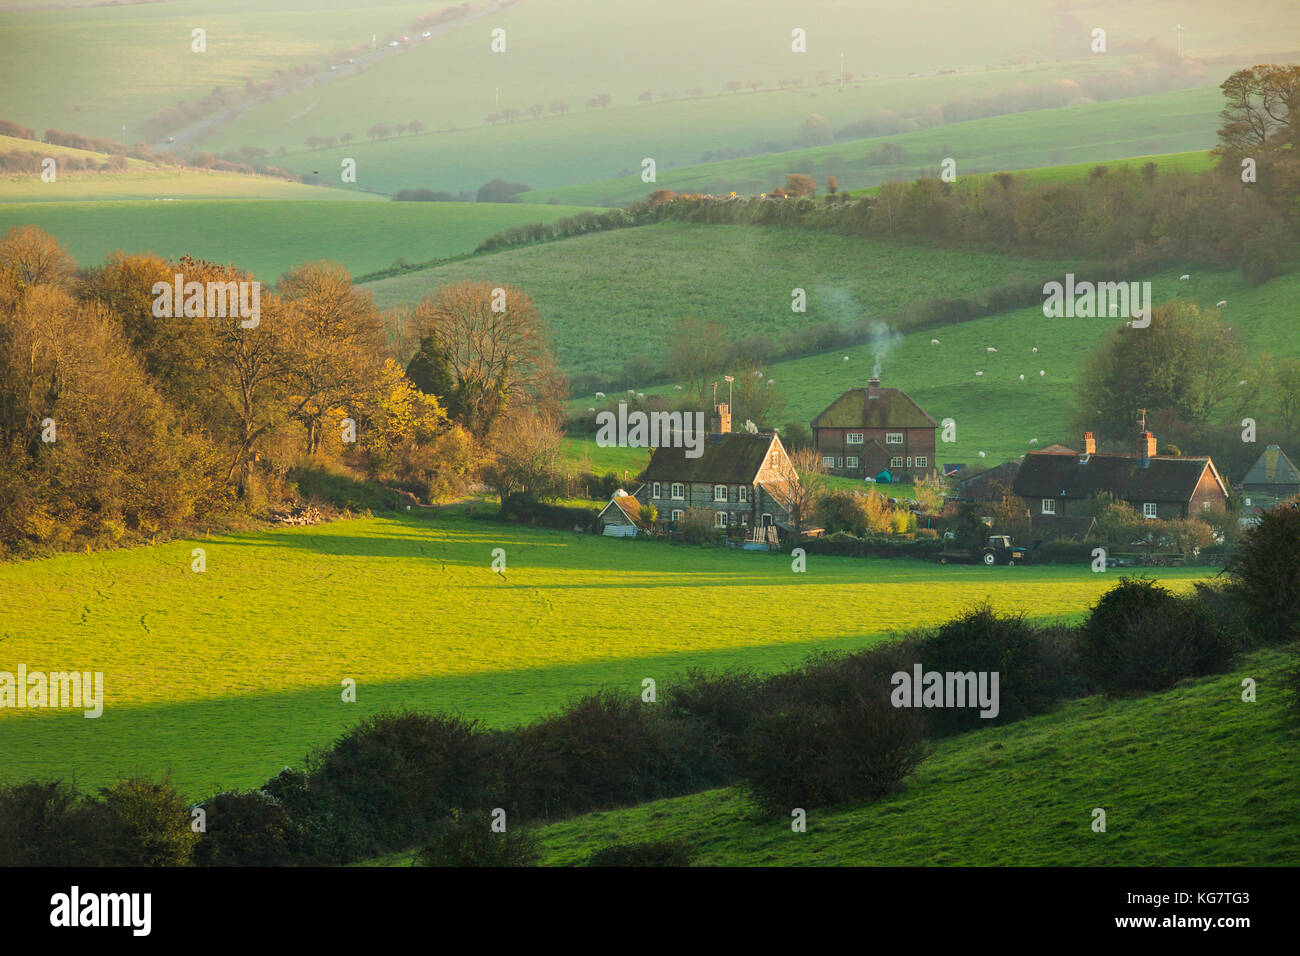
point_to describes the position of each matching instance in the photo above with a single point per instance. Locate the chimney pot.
(873, 387)
(721, 419)
(1089, 444)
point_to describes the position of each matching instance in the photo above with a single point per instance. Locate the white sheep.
(1042, 371)
(640, 395)
(990, 349)
(1221, 303)
(981, 454)
(1022, 376)
(1035, 349)
(846, 358)
(979, 373)
(1183, 278)
(1033, 441)
(934, 341)
(600, 394)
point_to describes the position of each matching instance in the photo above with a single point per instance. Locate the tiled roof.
(1166, 478)
(893, 409)
(1273, 468)
(732, 458)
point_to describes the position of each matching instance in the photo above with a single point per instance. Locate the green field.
(1189, 777)
(998, 413)
(268, 237)
(647, 278)
(226, 676)
(1082, 135)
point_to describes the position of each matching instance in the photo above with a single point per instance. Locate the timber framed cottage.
(743, 478)
(869, 430)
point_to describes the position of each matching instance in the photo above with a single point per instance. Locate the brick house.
(1057, 486)
(869, 430)
(740, 476)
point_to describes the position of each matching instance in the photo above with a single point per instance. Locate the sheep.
(934, 341)
(600, 394)
(1183, 278)
(981, 454)
(1022, 376)
(979, 373)
(1042, 371)
(846, 358)
(1033, 441)
(990, 349)
(1221, 303)
(1035, 349)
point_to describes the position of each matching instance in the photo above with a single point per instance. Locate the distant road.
(206, 126)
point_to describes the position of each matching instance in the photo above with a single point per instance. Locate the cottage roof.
(1272, 468)
(1005, 473)
(731, 458)
(1166, 478)
(893, 409)
(626, 503)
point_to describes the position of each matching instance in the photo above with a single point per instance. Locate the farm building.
(620, 518)
(742, 477)
(873, 429)
(1058, 486)
(1271, 479)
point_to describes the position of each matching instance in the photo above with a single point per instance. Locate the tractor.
(997, 549)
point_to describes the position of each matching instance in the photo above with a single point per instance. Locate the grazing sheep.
(1042, 371)
(677, 387)
(1033, 441)
(1183, 278)
(990, 349)
(591, 409)
(981, 454)
(600, 394)
(1022, 376)
(1035, 349)
(846, 358)
(640, 395)
(934, 341)
(979, 373)
(1221, 303)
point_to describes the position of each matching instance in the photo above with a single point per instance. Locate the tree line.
(118, 423)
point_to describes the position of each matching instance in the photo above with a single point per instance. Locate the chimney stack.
(873, 387)
(1146, 449)
(1089, 444)
(721, 419)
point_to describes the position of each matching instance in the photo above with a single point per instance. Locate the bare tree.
(802, 484)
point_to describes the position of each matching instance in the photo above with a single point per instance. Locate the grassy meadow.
(1070, 135)
(268, 237)
(647, 278)
(223, 677)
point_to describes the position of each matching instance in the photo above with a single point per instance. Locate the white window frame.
(720, 519)
(909, 461)
(677, 516)
(853, 438)
(893, 438)
(850, 461)
(896, 462)
(1150, 509)
(657, 493)
(744, 519)
(828, 461)
(742, 494)
(679, 492)
(1049, 506)
(720, 493)
(922, 461)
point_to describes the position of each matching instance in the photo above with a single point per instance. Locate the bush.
(714, 711)
(1140, 637)
(467, 839)
(393, 774)
(245, 829)
(812, 755)
(47, 824)
(1265, 572)
(145, 824)
(1035, 667)
(603, 750)
(527, 510)
(652, 853)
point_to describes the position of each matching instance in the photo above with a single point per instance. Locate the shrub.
(1140, 637)
(47, 824)
(651, 853)
(245, 829)
(392, 774)
(467, 839)
(1034, 667)
(810, 755)
(146, 824)
(714, 710)
(1265, 572)
(602, 750)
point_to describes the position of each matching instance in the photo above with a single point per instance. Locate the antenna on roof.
(1143, 421)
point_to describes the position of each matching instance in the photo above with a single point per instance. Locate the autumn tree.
(800, 487)
(798, 184)
(336, 342)
(524, 458)
(495, 348)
